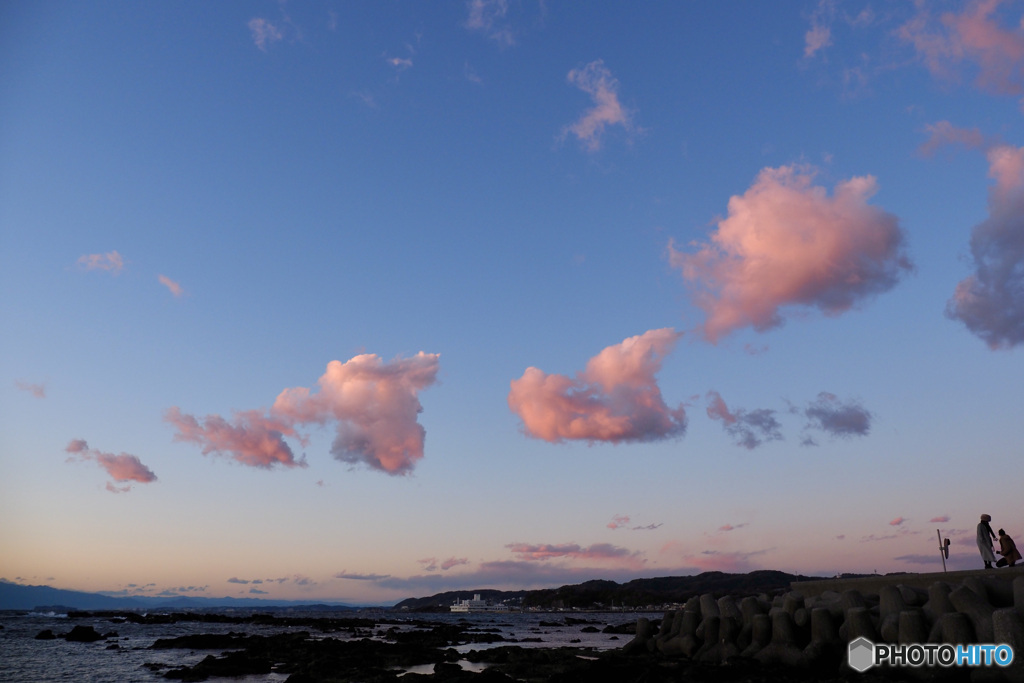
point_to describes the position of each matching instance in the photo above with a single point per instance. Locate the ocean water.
(123, 657)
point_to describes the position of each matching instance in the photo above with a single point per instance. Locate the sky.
(360, 301)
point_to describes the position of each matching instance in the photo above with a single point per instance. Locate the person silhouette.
(985, 538)
(1008, 550)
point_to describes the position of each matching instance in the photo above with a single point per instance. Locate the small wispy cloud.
(597, 552)
(975, 37)
(399, 63)
(490, 18)
(939, 520)
(171, 285)
(748, 428)
(943, 133)
(618, 521)
(819, 35)
(361, 577)
(37, 390)
(597, 81)
(898, 521)
(453, 562)
(264, 32)
(111, 262)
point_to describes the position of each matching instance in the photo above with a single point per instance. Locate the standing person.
(985, 538)
(1008, 549)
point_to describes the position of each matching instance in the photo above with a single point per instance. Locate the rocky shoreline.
(786, 637)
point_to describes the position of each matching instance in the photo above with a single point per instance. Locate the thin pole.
(942, 551)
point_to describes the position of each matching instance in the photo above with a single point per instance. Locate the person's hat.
(986, 518)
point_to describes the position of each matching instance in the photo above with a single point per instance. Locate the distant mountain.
(18, 597)
(636, 593)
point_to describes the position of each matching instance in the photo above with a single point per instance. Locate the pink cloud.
(975, 37)
(374, 404)
(749, 428)
(939, 520)
(819, 35)
(616, 398)
(990, 302)
(111, 262)
(898, 521)
(597, 81)
(120, 468)
(488, 16)
(597, 552)
(618, 521)
(37, 390)
(264, 32)
(785, 242)
(399, 63)
(730, 562)
(429, 564)
(252, 439)
(944, 133)
(170, 284)
(453, 562)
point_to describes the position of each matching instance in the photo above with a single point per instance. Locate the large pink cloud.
(616, 398)
(977, 37)
(121, 468)
(785, 243)
(374, 405)
(990, 302)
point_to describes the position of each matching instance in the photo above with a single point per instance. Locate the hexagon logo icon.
(861, 655)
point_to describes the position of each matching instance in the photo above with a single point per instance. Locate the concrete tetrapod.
(977, 609)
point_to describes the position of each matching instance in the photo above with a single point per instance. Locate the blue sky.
(732, 241)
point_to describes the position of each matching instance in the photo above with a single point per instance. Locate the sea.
(123, 657)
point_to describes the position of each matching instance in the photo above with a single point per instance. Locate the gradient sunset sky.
(359, 301)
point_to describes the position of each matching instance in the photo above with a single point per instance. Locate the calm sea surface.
(123, 658)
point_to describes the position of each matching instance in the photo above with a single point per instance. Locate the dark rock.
(231, 664)
(83, 634)
(590, 629)
(202, 641)
(45, 634)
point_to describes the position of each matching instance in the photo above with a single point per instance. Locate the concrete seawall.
(873, 584)
(810, 627)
